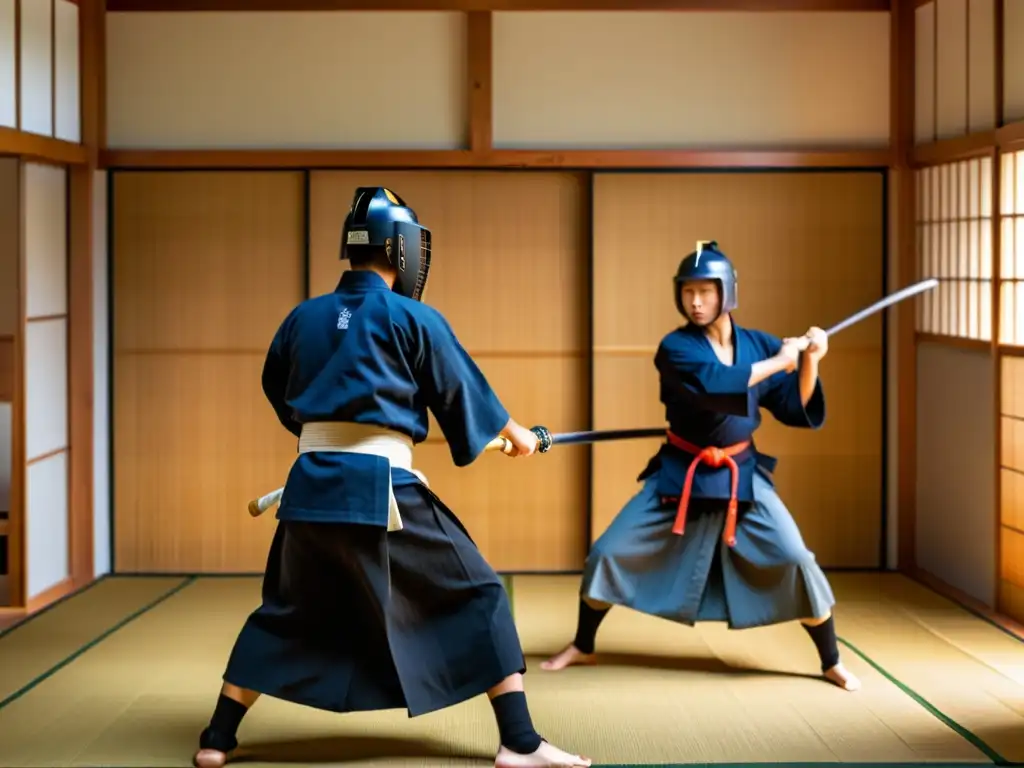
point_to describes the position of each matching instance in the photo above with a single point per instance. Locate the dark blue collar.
(361, 281)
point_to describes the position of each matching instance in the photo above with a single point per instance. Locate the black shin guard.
(824, 637)
(586, 628)
(514, 725)
(220, 733)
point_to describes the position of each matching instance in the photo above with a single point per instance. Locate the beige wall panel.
(46, 387)
(951, 68)
(46, 242)
(10, 243)
(101, 380)
(621, 79)
(206, 265)
(792, 274)
(499, 238)
(66, 97)
(981, 67)
(189, 276)
(36, 66)
(194, 440)
(8, 68)
(924, 74)
(277, 80)
(524, 514)
(956, 502)
(46, 524)
(494, 234)
(1013, 60)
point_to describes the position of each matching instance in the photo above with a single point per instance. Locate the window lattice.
(1011, 249)
(954, 244)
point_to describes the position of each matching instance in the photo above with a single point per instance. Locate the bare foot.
(843, 677)
(546, 756)
(567, 657)
(209, 758)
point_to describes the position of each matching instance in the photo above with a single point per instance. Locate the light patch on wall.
(286, 80)
(648, 79)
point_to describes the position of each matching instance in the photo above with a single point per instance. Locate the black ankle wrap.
(515, 727)
(220, 734)
(824, 637)
(586, 627)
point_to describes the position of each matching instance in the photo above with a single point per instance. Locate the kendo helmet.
(380, 220)
(707, 263)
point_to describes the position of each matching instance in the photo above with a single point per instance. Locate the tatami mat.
(33, 647)
(663, 694)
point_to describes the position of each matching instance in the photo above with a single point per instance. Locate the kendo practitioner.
(707, 537)
(375, 596)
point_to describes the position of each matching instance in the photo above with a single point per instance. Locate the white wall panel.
(314, 80)
(951, 68)
(1013, 60)
(46, 524)
(46, 240)
(68, 115)
(101, 381)
(37, 66)
(8, 68)
(651, 79)
(956, 451)
(46, 387)
(981, 68)
(924, 74)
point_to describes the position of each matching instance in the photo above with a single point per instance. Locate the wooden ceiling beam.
(121, 6)
(625, 159)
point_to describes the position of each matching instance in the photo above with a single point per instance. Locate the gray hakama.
(768, 577)
(355, 618)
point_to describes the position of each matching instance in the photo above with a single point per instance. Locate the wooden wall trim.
(45, 149)
(6, 368)
(124, 159)
(902, 66)
(16, 542)
(497, 5)
(977, 144)
(479, 68)
(80, 292)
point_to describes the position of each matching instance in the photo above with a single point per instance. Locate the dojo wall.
(273, 80)
(206, 264)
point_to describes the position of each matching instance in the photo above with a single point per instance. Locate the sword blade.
(888, 301)
(601, 435)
